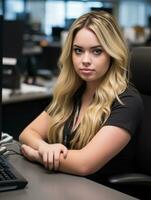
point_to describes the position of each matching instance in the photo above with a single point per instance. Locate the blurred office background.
(33, 35)
(45, 16)
(44, 24)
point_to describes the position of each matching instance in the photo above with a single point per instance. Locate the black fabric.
(140, 66)
(128, 117)
(143, 163)
(141, 69)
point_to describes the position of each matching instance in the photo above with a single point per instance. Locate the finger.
(25, 150)
(45, 159)
(50, 160)
(56, 160)
(22, 148)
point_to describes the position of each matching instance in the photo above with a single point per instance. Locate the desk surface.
(28, 92)
(44, 185)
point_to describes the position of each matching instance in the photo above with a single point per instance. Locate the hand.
(50, 154)
(30, 153)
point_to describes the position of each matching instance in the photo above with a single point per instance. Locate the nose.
(86, 59)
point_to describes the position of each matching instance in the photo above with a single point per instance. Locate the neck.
(90, 88)
(89, 93)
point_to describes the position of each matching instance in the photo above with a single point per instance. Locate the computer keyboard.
(10, 178)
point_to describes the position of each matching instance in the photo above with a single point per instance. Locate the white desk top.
(27, 92)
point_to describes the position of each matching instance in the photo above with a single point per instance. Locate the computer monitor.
(1, 30)
(107, 9)
(69, 22)
(12, 50)
(56, 32)
(12, 38)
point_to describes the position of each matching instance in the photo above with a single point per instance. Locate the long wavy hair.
(114, 82)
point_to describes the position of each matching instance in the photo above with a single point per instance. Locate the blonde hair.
(114, 83)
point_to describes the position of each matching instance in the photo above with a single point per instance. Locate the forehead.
(86, 37)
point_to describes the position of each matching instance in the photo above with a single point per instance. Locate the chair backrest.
(141, 77)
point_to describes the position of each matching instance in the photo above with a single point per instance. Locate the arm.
(36, 132)
(110, 140)
(107, 143)
(36, 147)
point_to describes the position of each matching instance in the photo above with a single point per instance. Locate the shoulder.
(127, 114)
(131, 92)
(130, 98)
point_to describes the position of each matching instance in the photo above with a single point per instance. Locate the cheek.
(103, 65)
(75, 61)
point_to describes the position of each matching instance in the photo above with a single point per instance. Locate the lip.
(86, 69)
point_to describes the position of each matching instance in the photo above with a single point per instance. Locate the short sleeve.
(129, 114)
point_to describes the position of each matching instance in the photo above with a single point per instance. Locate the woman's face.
(90, 61)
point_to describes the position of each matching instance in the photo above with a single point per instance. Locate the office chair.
(139, 184)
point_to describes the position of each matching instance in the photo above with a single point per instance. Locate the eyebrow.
(93, 47)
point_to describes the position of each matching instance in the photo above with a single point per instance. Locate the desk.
(44, 185)
(25, 105)
(26, 93)
(22, 108)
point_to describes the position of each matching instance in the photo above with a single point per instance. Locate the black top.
(128, 117)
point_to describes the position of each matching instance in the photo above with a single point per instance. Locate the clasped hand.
(46, 154)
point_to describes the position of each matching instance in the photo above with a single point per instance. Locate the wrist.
(41, 143)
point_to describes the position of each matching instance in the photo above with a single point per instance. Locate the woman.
(90, 126)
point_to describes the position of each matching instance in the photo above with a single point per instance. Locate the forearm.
(85, 161)
(74, 163)
(31, 138)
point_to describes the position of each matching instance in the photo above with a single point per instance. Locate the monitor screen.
(12, 50)
(1, 27)
(56, 32)
(12, 38)
(109, 10)
(69, 22)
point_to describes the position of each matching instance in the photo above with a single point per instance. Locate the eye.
(77, 50)
(97, 51)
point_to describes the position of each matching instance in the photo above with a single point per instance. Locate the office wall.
(43, 11)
